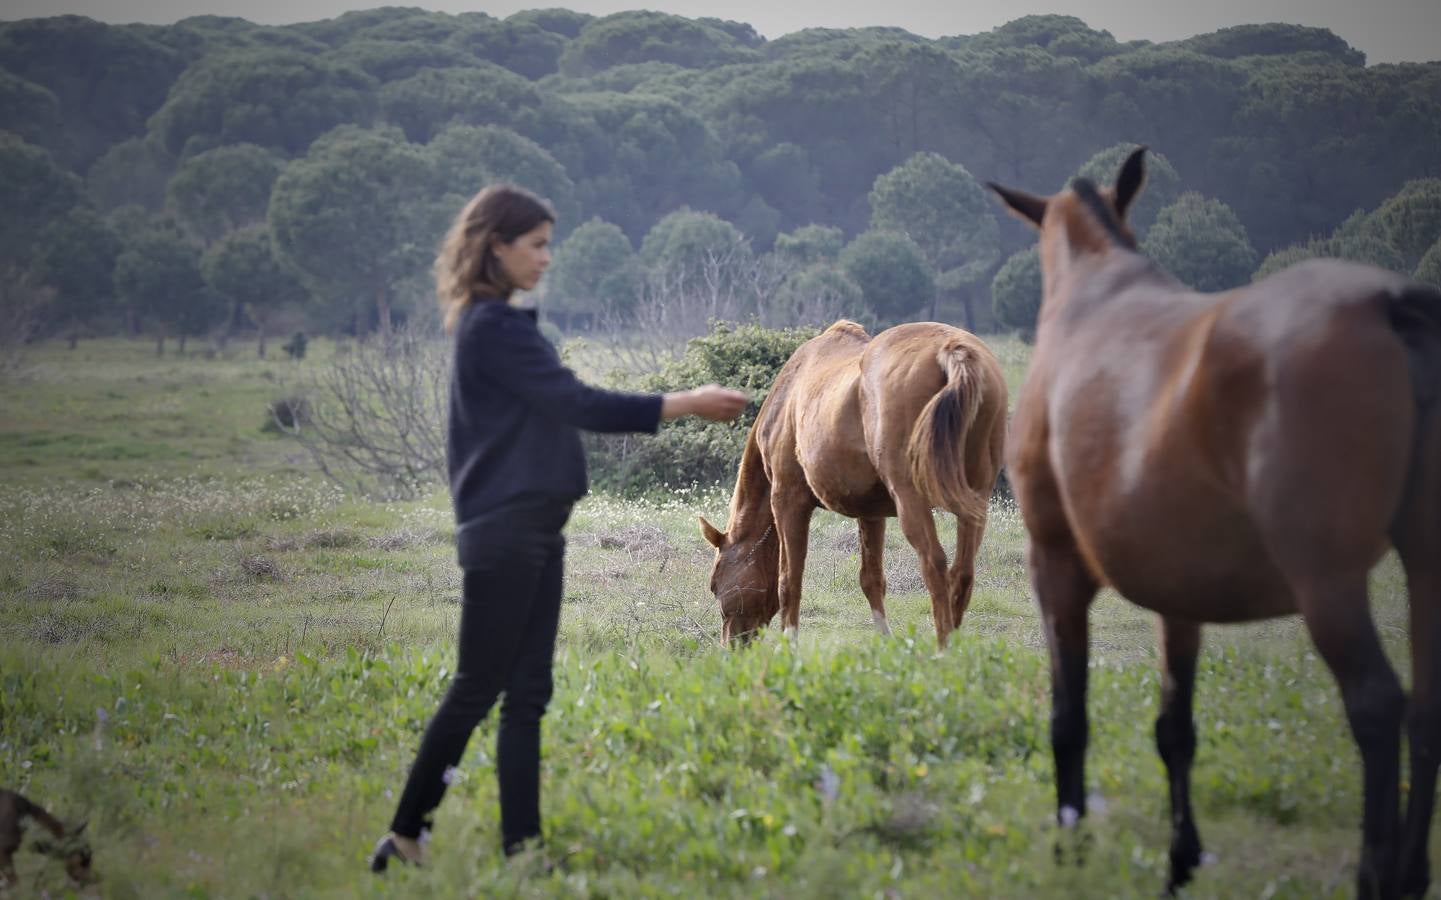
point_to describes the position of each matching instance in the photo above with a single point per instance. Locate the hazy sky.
(1385, 30)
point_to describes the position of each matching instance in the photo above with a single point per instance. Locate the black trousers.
(510, 612)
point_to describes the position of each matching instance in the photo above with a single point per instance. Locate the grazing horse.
(895, 425)
(1226, 458)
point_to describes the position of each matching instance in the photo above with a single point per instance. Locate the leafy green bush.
(690, 450)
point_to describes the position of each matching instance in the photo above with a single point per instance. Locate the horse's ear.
(1024, 205)
(1130, 179)
(714, 536)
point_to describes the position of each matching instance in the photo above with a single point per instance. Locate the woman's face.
(524, 259)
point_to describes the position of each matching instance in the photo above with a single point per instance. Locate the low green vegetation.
(225, 663)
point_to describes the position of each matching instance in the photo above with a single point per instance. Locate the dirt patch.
(51, 587)
(406, 538)
(331, 539)
(260, 568)
(640, 541)
(222, 656)
(912, 816)
(903, 573)
(52, 630)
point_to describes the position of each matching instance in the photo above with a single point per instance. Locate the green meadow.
(224, 663)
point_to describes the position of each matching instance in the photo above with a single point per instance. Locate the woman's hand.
(719, 404)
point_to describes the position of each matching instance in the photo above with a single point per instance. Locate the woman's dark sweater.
(516, 414)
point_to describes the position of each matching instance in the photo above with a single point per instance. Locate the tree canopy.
(278, 99)
(220, 190)
(632, 117)
(593, 272)
(34, 191)
(892, 273)
(357, 217)
(1016, 292)
(1201, 242)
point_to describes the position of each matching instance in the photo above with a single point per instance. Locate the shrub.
(692, 451)
(295, 347)
(374, 418)
(286, 413)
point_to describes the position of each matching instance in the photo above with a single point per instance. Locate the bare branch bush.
(22, 309)
(376, 413)
(677, 302)
(814, 306)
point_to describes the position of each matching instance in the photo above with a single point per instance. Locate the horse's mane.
(850, 328)
(1101, 211)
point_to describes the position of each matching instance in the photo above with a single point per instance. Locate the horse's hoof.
(881, 625)
(1073, 843)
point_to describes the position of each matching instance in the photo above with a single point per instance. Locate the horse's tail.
(1416, 318)
(937, 448)
(1415, 313)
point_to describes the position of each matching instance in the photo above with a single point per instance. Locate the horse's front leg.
(873, 573)
(1064, 590)
(792, 511)
(1176, 741)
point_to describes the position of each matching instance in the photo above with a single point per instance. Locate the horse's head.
(1079, 220)
(73, 850)
(743, 580)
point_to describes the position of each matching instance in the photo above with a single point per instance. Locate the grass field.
(225, 662)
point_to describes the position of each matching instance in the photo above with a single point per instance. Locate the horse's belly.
(1210, 568)
(831, 449)
(856, 494)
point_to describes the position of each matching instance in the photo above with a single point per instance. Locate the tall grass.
(225, 663)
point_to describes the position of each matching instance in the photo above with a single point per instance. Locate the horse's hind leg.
(1423, 723)
(1064, 590)
(1336, 613)
(1417, 536)
(962, 576)
(8, 878)
(920, 530)
(873, 573)
(1176, 741)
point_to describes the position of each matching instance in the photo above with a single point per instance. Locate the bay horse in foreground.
(871, 428)
(1226, 458)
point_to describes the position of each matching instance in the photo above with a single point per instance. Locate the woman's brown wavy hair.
(466, 267)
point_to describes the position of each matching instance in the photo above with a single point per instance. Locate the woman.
(516, 468)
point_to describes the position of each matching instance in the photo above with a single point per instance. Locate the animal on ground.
(1233, 457)
(890, 426)
(57, 840)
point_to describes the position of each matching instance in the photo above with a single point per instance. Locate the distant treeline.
(191, 177)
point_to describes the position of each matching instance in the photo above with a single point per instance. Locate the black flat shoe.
(384, 852)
